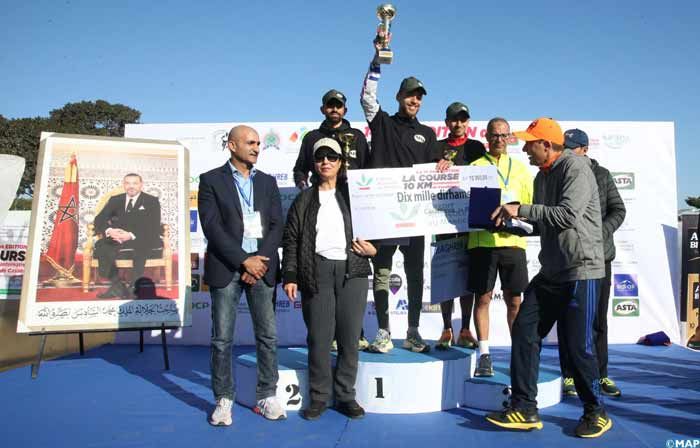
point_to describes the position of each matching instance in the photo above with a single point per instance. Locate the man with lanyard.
(241, 215)
(498, 252)
(397, 141)
(457, 149)
(612, 210)
(334, 108)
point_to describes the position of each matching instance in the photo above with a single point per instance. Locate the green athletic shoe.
(382, 342)
(569, 389)
(415, 343)
(608, 387)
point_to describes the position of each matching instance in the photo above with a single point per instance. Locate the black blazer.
(143, 221)
(221, 216)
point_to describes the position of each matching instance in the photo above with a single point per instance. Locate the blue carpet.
(117, 397)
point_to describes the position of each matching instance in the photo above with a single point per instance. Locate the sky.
(268, 61)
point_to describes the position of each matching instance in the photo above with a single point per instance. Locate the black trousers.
(336, 310)
(413, 268)
(600, 331)
(107, 251)
(572, 305)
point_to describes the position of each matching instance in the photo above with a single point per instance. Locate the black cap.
(333, 95)
(411, 83)
(456, 108)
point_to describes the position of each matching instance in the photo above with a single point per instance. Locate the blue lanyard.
(510, 165)
(243, 195)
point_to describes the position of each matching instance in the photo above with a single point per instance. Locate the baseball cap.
(542, 129)
(573, 138)
(455, 109)
(333, 95)
(328, 143)
(411, 83)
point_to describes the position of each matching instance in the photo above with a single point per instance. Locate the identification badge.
(508, 197)
(252, 225)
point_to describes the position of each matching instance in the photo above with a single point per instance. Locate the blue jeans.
(224, 306)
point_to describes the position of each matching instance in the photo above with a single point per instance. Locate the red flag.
(64, 239)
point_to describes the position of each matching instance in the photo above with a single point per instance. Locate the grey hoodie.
(566, 210)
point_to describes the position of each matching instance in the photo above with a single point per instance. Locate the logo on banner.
(626, 307)
(298, 134)
(193, 220)
(219, 140)
(280, 176)
(405, 215)
(402, 305)
(364, 183)
(195, 282)
(271, 140)
(615, 141)
(626, 285)
(693, 242)
(395, 283)
(696, 295)
(623, 181)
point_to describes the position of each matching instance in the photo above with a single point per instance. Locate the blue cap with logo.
(573, 138)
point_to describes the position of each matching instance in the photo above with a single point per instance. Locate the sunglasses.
(332, 157)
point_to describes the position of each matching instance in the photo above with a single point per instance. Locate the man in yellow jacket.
(501, 253)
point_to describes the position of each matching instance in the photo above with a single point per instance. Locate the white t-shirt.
(330, 228)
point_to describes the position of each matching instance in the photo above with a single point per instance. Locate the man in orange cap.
(566, 213)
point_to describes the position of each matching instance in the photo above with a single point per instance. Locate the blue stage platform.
(117, 397)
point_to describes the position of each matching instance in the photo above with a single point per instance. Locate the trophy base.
(385, 56)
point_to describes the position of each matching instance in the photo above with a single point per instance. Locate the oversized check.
(403, 202)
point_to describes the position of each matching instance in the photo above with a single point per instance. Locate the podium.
(399, 382)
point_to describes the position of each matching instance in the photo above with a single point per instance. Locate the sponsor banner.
(625, 285)
(690, 273)
(404, 202)
(14, 233)
(645, 242)
(625, 307)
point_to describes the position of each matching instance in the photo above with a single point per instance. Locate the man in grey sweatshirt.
(566, 213)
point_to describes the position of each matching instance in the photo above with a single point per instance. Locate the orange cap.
(542, 129)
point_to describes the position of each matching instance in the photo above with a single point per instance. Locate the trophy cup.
(386, 12)
(347, 139)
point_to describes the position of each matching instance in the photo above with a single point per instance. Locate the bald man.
(241, 216)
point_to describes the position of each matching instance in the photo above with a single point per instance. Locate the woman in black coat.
(323, 261)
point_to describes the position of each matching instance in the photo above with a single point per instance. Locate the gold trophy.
(347, 139)
(386, 12)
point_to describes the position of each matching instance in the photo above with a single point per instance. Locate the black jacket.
(359, 151)
(299, 240)
(612, 208)
(221, 216)
(466, 153)
(400, 142)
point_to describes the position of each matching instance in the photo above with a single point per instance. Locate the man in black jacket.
(130, 224)
(335, 126)
(398, 140)
(612, 210)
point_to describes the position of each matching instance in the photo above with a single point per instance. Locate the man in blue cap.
(612, 210)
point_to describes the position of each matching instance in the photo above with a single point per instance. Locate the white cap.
(328, 143)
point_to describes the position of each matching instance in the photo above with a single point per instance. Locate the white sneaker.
(271, 409)
(222, 414)
(382, 342)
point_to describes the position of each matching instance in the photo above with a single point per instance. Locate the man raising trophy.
(398, 141)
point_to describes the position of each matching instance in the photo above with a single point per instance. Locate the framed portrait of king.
(109, 241)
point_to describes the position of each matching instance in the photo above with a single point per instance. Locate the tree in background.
(693, 202)
(20, 136)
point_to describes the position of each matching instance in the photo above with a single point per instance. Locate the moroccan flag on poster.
(64, 239)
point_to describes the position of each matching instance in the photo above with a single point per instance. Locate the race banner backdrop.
(640, 155)
(14, 232)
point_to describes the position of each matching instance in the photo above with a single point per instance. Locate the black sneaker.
(350, 409)
(593, 424)
(512, 418)
(314, 411)
(485, 366)
(569, 388)
(608, 387)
